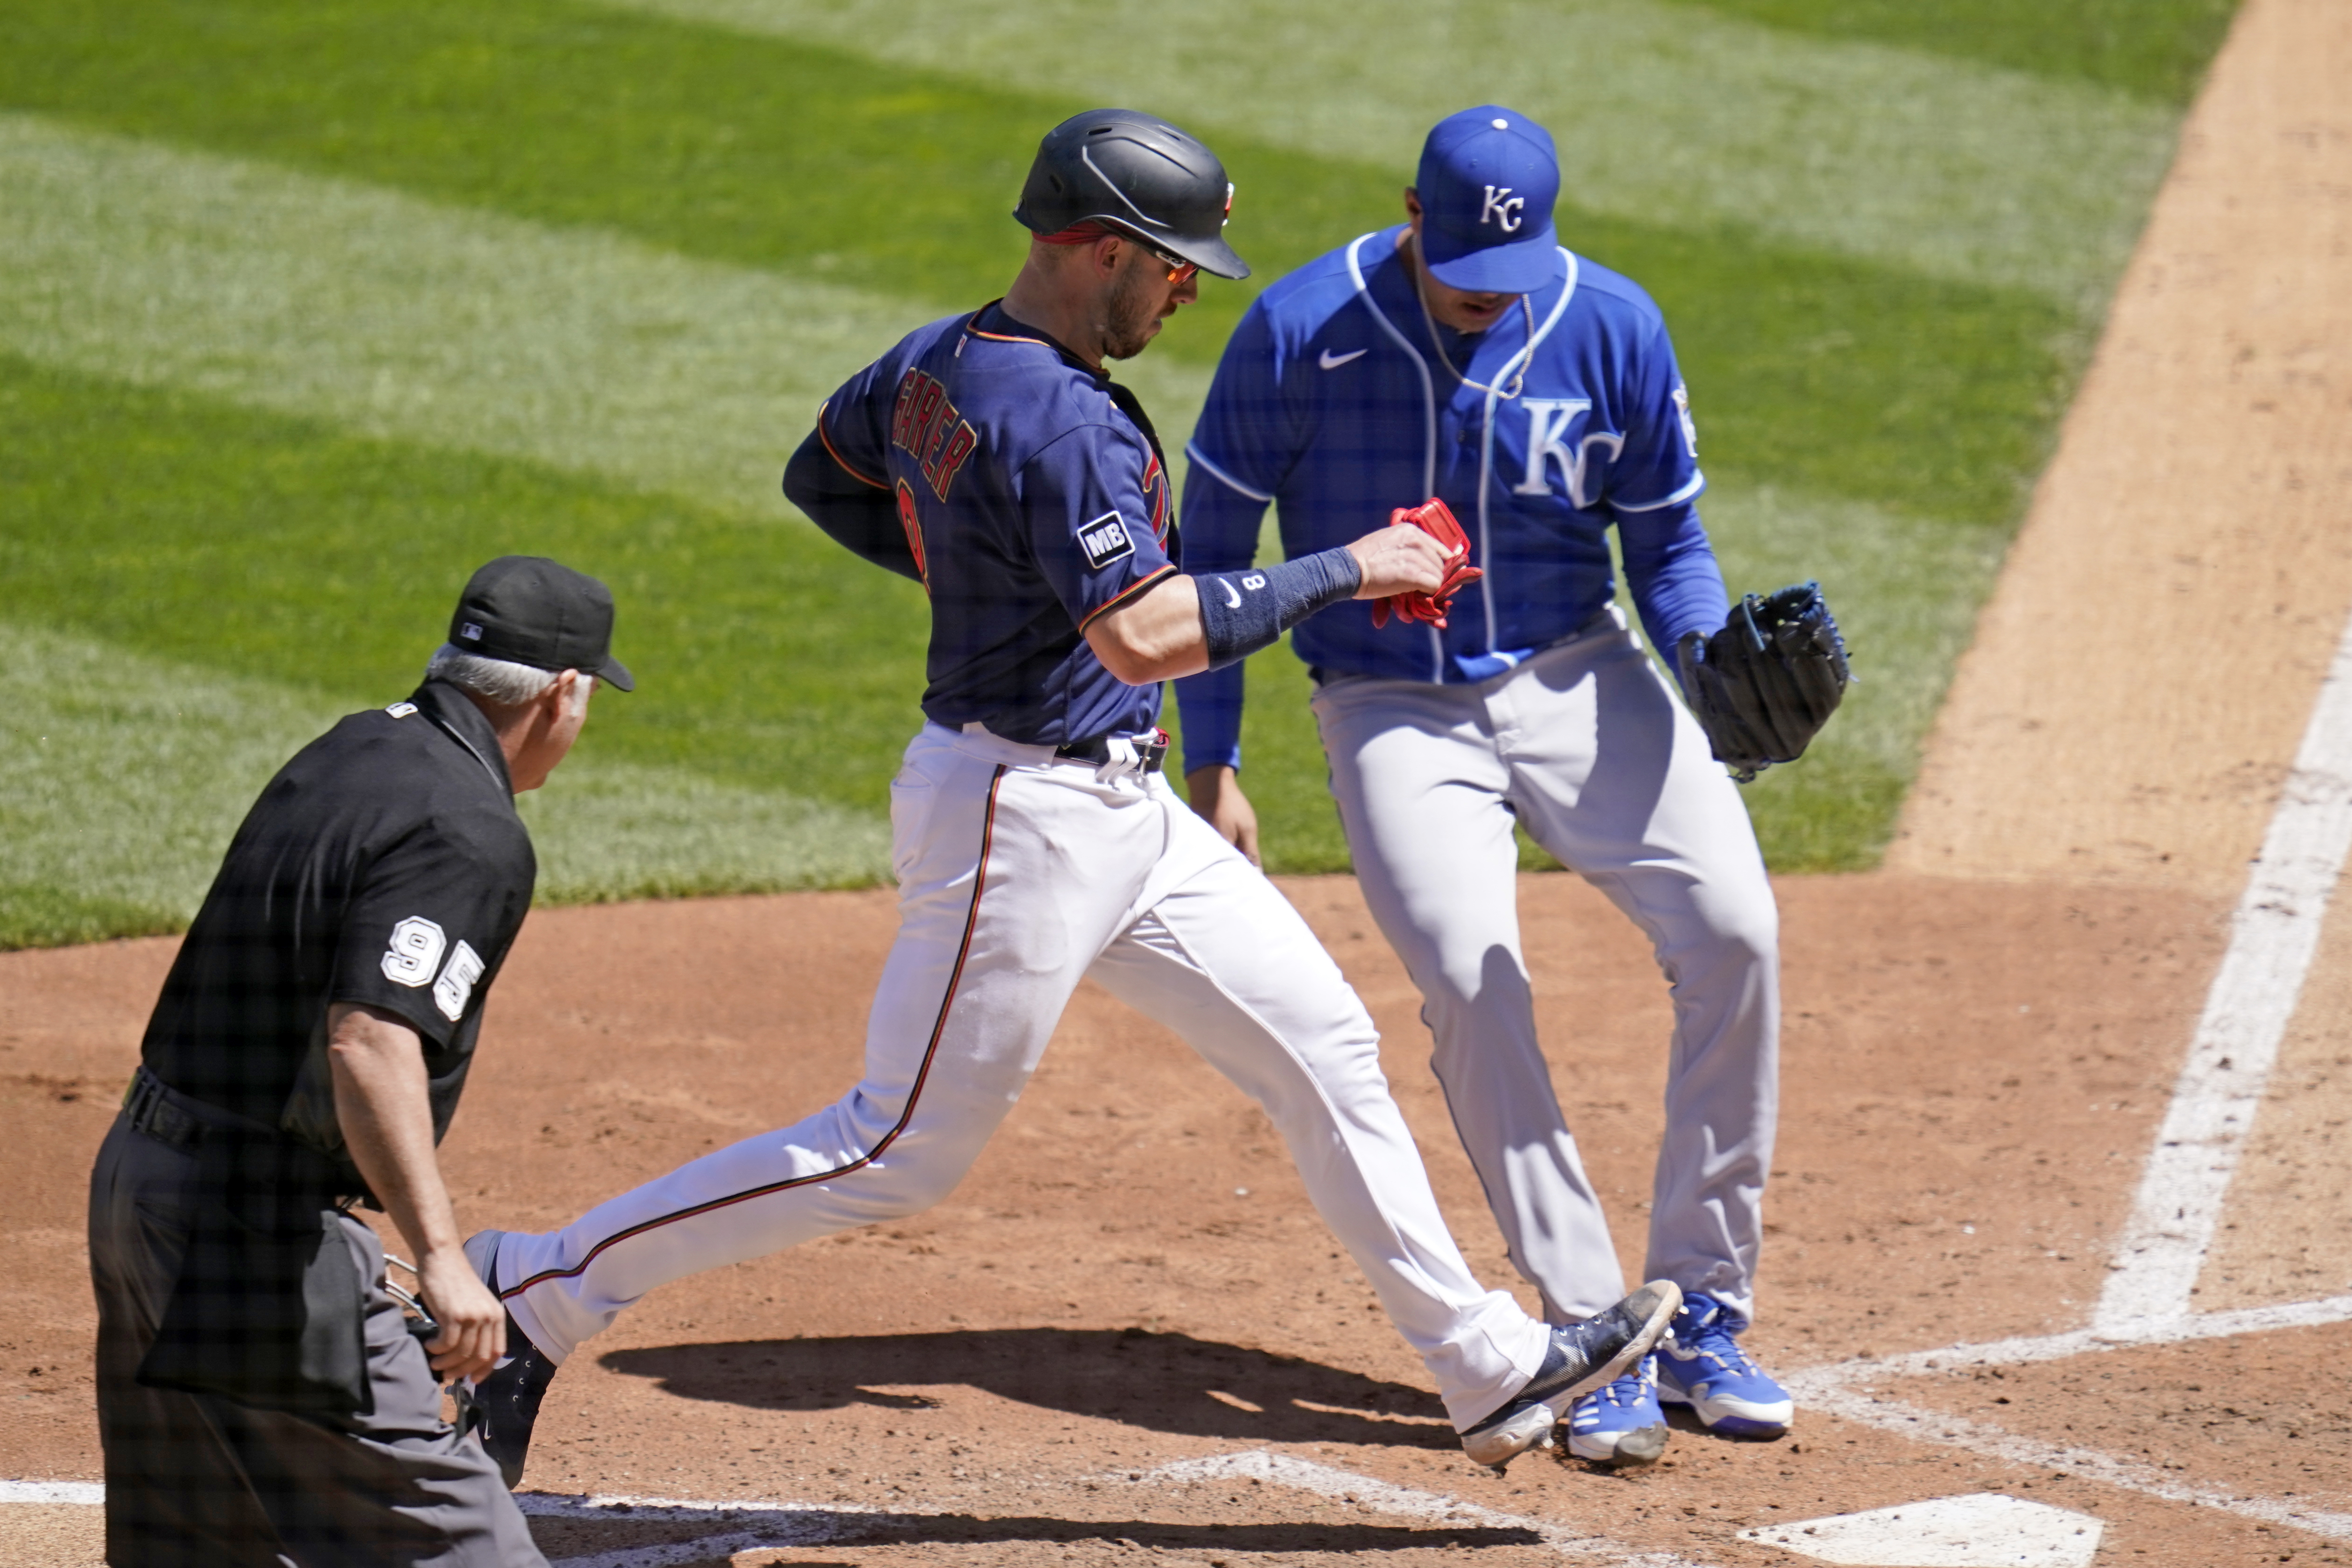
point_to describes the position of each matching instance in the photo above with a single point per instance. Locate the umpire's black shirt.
(383, 865)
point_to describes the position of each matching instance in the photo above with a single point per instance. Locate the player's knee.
(1741, 936)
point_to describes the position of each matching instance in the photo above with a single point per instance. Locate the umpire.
(262, 1396)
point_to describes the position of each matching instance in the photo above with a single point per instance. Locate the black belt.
(172, 1118)
(1097, 750)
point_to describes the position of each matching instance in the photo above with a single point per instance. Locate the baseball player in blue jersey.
(1465, 355)
(990, 456)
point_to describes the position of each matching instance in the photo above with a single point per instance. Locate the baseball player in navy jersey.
(990, 456)
(1467, 355)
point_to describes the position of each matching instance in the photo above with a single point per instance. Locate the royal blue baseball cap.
(1489, 178)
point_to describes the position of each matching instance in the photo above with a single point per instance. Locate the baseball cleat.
(1621, 1424)
(502, 1407)
(1700, 1365)
(1582, 1357)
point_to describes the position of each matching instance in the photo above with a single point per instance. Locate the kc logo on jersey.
(1502, 207)
(926, 426)
(1548, 422)
(1106, 540)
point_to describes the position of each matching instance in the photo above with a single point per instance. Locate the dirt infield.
(1131, 1278)
(1126, 1337)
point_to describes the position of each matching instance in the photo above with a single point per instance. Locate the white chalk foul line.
(1934, 1427)
(2271, 939)
(2146, 1300)
(88, 1494)
(741, 1526)
(1283, 1469)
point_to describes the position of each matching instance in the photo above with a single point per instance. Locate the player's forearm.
(1210, 703)
(1187, 624)
(383, 1106)
(1672, 572)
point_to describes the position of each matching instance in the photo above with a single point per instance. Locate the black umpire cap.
(529, 609)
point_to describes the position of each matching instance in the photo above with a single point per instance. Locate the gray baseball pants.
(199, 1481)
(1586, 745)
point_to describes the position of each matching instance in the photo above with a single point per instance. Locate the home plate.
(1985, 1530)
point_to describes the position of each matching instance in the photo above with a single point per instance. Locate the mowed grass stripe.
(398, 316)
(279, 548)
(1826, 374)
(122, 778)
(259, 547)
(1665, 113)
(2156, 49)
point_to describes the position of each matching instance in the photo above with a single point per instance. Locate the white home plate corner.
(1985, 1530)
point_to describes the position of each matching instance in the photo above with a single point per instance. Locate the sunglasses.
(1179, 269)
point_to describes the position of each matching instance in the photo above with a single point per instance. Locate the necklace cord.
(1519, 381)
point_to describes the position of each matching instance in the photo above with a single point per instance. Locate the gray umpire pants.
(199, 1481)
(1585, 746)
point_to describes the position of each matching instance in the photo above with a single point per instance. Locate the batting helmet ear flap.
(1136, 173)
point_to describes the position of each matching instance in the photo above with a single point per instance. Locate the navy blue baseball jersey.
(1340, 400)
(1032, 498)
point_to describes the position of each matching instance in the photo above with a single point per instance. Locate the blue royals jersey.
(1335, 399)
(1033, 501)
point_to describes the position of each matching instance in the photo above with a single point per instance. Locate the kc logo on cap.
(1485, 186)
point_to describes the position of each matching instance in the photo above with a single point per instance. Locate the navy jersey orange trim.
(1141, 585)
(1155, 491)
(911, 520)
(846, 466)
(914, 1095)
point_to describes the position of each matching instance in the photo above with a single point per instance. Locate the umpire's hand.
(386, 1114)
(473, 1321)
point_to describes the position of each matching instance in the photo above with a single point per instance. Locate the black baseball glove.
(1763, 687)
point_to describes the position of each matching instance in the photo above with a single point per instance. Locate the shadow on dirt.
(1165, 1382)
(1193, 1541)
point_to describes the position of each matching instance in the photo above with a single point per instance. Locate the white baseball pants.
(1587, 747)
(1018, 876)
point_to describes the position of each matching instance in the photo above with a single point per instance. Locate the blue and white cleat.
(1621, 1424)
(1700, 1365)
(1581, 1358)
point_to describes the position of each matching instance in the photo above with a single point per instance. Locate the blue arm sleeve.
(1671, 568)
(1241, 446)
(1220, 527)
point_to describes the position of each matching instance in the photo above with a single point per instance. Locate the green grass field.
(306, 309)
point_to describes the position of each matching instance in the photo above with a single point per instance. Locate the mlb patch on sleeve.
(1104, 541)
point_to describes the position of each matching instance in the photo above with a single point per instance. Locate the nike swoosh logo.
(1233, 600)
(1331, 362)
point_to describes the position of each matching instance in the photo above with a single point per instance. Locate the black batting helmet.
(1135, 173)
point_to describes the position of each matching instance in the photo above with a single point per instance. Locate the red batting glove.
(1435, 519)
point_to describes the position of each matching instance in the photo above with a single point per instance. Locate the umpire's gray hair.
(502, 681)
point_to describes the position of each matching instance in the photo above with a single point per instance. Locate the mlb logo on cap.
(1487, 181)
(470, 632)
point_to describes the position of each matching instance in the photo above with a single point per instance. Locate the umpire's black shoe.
(503, 1407)
(1583, 1357)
